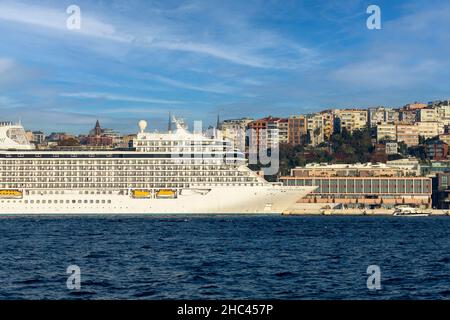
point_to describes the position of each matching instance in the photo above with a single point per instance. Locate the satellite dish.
(142, 125)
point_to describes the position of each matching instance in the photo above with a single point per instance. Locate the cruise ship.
(178, 172)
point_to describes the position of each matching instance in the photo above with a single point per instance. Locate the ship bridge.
(183, 143)
(12, 136)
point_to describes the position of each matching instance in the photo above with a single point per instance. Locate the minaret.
(218, 121)
(169, 126)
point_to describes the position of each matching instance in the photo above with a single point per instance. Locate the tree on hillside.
(69, 142)
(352, 147)
(418, 152)
(402, 148)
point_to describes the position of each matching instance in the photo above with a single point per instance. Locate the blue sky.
(136, 59)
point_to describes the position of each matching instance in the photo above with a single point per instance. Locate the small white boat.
(406, 211)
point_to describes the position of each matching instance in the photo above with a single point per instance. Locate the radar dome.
(142, 125)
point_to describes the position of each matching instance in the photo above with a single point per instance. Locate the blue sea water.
(224, 257)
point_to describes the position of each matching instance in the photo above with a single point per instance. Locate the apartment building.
(386, 131)
(415, 106)
(351, 119)
(436, 150)
(408, 133)
(430, 129)
(409, 116)
(297, 129)
(445, 137)
(38, 137)
(328, 123)
(428, 115)
(314, 124)
(391, 148)
(283, 127)
(444, 114)
(234, 130)
(382, 115)
(264, 133)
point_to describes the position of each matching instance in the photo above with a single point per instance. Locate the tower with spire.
(97, 129)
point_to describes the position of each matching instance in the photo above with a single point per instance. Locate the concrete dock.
(358, 212)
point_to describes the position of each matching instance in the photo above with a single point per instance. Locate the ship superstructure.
(174, 172)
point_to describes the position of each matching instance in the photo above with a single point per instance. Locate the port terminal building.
(362, 186)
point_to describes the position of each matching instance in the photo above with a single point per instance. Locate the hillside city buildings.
(420, 127)
(411, 125)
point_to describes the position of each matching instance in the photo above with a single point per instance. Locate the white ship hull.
(216, 200)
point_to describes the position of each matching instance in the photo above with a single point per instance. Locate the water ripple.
(224, 257)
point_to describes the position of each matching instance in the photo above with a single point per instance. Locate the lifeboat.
(10, 194)
(139, 194)
(166, 194)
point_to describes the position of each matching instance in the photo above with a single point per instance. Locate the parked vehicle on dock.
(410, 212)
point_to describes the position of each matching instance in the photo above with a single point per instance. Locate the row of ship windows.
(115, 167)
(116, 186)
(219, 165)
(181, 150)
(181, 143)
(185, 146)
(123, 174)
(159, 173)
(126, 180)
(129, 179)
(57, 201)
(28, 192)
(171, 161)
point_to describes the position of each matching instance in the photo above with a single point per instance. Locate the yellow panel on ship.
(141, 193)
(166, 193)
(10, 193)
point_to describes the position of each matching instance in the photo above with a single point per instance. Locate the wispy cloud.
(216, 51)
(148, 111)
(5, 65)
(12, 73)
(9, 103)
(409, 54)
(47, 17)
(115, 97)
(386, 73)
(248, 50)
(213, 88)
(249, 57)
